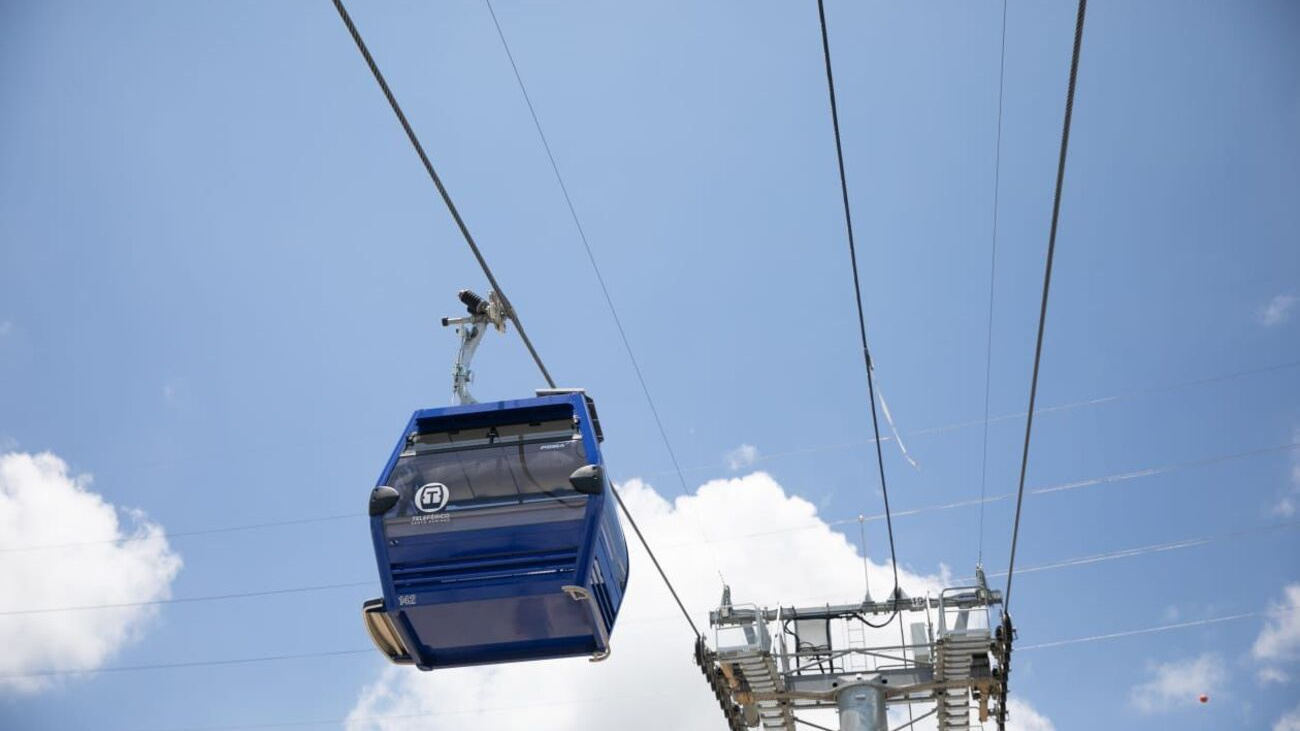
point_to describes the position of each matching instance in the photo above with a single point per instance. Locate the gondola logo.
(432, 497)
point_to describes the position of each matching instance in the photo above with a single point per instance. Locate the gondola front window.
(488, 467)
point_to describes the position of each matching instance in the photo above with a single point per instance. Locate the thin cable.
(1263, 370)
(811, 724)
(187, 600)
(1047, 283)
(182, 534)
(902, 643)
(993, 273)
(1058, 487)
(190, 664)
(442, 190)
(929, 431)
(1046, 489)
(1096, 401)
(866, 564)
(857, 292)
(1273, 611)
(1149, 549)
(632, 521)
(1064, 563)
(234, 661)
(591, 257)
(338, 722)
(1159, 628)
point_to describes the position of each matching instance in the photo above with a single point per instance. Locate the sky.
(222, 270)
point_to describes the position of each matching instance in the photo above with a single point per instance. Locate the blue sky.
(222, 267)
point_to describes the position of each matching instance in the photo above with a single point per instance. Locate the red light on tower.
(1204, 698)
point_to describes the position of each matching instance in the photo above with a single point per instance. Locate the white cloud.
(1285, 507)
(651, 667)
(1177, 684)
(1268, 675)
(1279, 641)
(1278, 310)
(41, 504)
(1023, 717)
(1289, 722)
(741, 457)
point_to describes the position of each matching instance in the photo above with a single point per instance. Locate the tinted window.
(509, 473)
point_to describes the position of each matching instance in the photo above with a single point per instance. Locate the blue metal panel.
(481, 581)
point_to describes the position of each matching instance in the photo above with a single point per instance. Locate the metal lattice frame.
(950, 662)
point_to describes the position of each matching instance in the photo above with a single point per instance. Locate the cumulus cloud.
(741, 457)
(1023, 717)
(42, 504)
(651, 667)
(1178, 683)
(1278, 310)
(1270, 675)
(1279, 641)
(1289, 722)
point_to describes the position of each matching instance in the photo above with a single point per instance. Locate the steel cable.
(857, 291)
(1047, 283)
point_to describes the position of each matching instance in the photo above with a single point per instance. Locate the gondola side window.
(482, 470)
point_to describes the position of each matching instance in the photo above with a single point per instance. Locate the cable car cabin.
(496, 537)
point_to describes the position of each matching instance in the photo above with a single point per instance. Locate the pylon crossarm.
(772, 663)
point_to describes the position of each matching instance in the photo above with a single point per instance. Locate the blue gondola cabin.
(496, 536)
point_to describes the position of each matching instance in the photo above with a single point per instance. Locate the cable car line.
(233, 661)
(993, 272)
(1097, 558)
(600, 278)
(1153, 548)
(1057, 487)
(190, 664)
(929, 431)
(183, 534)
(658, 568)
(335, 722)
(1044, 490)
(790, 453)
(509, 310)
(1275, 609)
(1272, 610)
(1085, 560)
(857, 291)
(926, 431)
(442, 190)
(188, 600)
(1047, 283)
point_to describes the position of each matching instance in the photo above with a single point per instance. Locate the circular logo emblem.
(432, 497)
